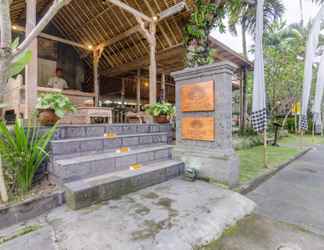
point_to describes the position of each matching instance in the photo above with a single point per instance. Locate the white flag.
(259, 113)
(319, 97)
(312, 44)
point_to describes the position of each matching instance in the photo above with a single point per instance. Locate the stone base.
(211, 164)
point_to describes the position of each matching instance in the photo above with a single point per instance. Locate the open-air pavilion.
(113, 51)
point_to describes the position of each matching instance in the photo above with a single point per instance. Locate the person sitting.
(58, 81)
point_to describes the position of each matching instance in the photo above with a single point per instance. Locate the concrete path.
(296, 194)
(177, 215)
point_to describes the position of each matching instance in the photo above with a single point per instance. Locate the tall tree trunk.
(244, 82)
(244, 44)
(301, 12)
(5, 41)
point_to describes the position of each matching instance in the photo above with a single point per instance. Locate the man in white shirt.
(57, 81)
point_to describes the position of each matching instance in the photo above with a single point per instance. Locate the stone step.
(93, 130)
(101, 144)
(77, 168)
(84, 193)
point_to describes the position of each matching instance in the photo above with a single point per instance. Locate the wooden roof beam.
(54, 38)
(144, 61)
(131, 10)
(163, 14)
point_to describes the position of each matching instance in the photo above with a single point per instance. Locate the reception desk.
(84, 101)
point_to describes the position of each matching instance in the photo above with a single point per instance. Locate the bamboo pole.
(3, 189)
(313, 133)
(265, 146)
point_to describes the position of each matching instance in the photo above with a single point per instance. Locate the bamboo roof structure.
(94, 23)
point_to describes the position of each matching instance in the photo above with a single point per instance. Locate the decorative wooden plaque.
(198, 128)
(198, 97)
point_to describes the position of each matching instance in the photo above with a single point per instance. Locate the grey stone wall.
(214, 159)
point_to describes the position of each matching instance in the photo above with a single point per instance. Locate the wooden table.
(87, 115)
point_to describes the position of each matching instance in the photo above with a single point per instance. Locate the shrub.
(57, 102)
(158, 109)
(23, 150)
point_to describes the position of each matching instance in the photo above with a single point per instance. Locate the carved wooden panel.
(198, 97)
(198, 128)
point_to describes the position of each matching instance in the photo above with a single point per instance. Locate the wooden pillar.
(31, 79)
(96, 58)
(123, 93)
(138, 90)
(149, 35)
(152, 64)
(163, 96)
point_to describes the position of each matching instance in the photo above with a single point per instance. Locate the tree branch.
(56, 6)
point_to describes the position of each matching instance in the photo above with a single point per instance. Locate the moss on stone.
(20, 232)
(151, 195)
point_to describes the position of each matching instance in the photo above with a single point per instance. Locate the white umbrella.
(319, 96)
(259, 114)
(308, 73)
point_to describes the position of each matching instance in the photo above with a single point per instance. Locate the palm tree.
(301, 12)
(246, 18)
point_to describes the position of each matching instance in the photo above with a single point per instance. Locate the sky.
(292, 15)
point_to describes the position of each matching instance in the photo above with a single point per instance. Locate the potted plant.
(161, 112)
(52, 107)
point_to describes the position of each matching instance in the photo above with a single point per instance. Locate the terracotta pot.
(161, 119)
(47, 117)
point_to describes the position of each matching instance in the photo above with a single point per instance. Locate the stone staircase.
(92, 169)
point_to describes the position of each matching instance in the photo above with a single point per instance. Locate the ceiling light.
(14, 27)
(90, 47)
(155, 18)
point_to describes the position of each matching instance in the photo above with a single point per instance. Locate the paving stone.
(88, 191)
(145, 139)
(95, 131)
(112, 143)
(123, 161)
(92, 145)
(295, 194)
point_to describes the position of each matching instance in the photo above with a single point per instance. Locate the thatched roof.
(94, 22)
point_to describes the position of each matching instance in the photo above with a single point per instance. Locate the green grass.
(305, 140)
(252, 160)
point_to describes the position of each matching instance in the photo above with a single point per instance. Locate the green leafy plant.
(159, 109)
(57, 102)
(21, 61)
(23, 150)
(206, 15)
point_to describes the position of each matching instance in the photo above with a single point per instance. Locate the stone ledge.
(86, 192)
(30, 208)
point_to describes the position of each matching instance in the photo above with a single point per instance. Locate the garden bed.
(41, 199)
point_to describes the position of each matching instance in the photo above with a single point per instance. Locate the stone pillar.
(31, 78)
(204, 122)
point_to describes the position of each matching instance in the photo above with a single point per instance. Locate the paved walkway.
(296, 194)
(176, 215)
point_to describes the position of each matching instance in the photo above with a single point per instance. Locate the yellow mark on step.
(110, 135)
(135, 167)
(123, 150)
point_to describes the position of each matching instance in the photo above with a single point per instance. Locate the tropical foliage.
(206, 16)
(57, 102)
(163, 108)
(23, 151)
